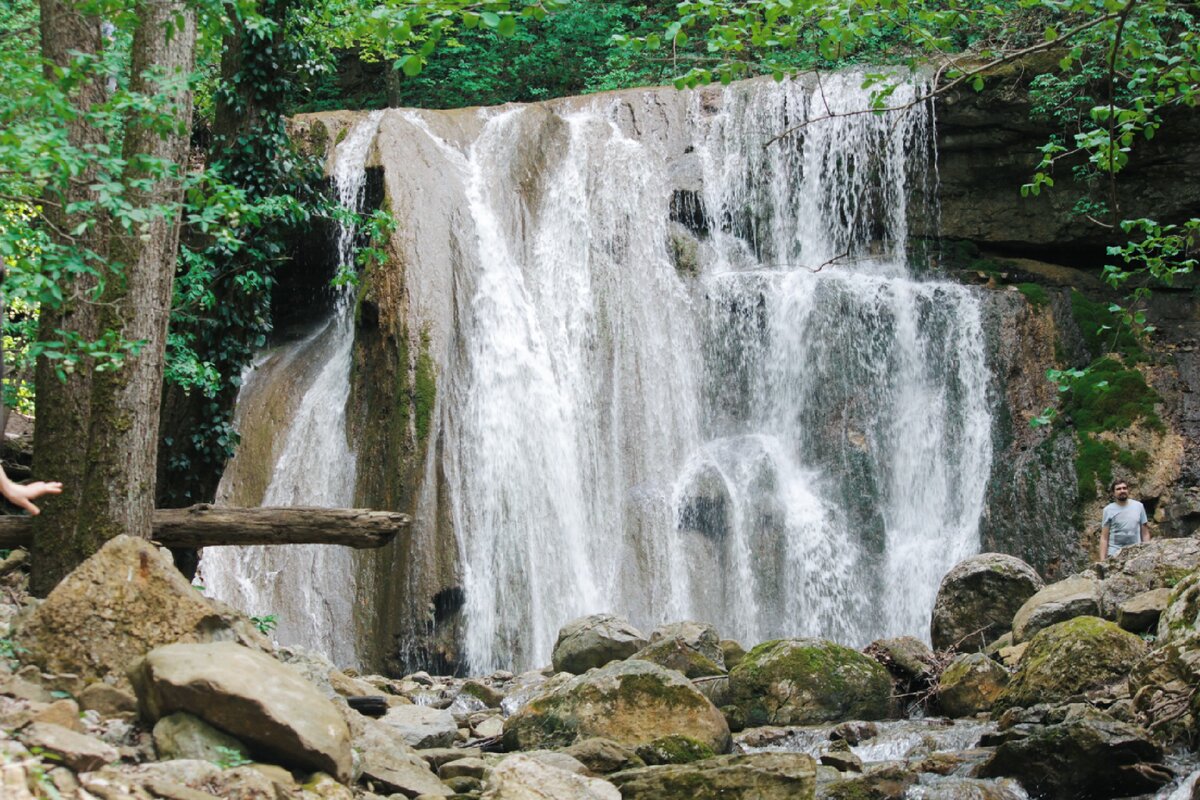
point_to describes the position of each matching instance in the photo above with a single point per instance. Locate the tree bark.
(206, 526)
(68, 36)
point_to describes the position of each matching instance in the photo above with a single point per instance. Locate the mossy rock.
(674, 653)
(674, 749)
(1163, 685)
(978, 598)
(806, 681)
(753, 776)
(594, 641)
(1071, 658)
(972, 683)
(630, 702)
(1182, 615)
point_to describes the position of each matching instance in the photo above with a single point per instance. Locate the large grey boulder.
(1181, 617)
(1136, 569)
(594, 641)
(698, 636)
(978, 598)
(521, 777)
(631, 702)
(972, 683)
(1142, 612)
(118, 605)
(249, 695)
(1076, 596)
(754, 776)
(806, 681)
(422, 727)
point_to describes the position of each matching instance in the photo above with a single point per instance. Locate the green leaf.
(490, 18)
(507, 27)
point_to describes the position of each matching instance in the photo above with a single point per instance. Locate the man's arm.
(1103, 542)
(1145, 531)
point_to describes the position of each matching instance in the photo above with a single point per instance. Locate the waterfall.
(785, 432)
(309, 588)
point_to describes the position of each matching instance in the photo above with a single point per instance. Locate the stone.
(595, 641)
(753, 776)
(970, 684)
(79, 751)
(489, 728)
(64, 712)
(1181, 617)
(732, 653)
(463, 786)
(182, 735)
(1142, 612)
(854, 733)
(1154, 565)
(469, 767)
(881, 782)
(602, 756)
(520, 777)
(676, 654)
(1163, 685)
(673, 750)
(249, 695)
(558, 760)
(698, 636)
(842, 760)
(978, 598)
(1074, 597)
(106, 700)
(405, 773)
(806, 681)
(487, 695)
(421, 726)
(1071, 658)
(1082, 757)
(15, 686)
(117, 606)
(907, 658)
(436, 756)
(630, 702)
(1011, 656)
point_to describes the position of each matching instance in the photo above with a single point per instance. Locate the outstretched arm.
(1145, 531)
(23, 494)
(1103, 542)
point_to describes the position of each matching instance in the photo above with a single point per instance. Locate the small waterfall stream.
(309, 588)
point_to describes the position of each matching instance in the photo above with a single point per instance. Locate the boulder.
(978, 598)
(881, 782)
(1074, 597)
(520, 777)
(603, 756)
(698, 636)
(80, 752)
(464, 768)
(1181, 617)
(677, 654)
(972, 683)
(402, 773)
(249, 695)
(754, 776)
(907, 658)
(631, 702)
(732, 653)
(422, 727)
(1142, 612)
(1082, 757)
(674, 749)
(107, 701)
(1154, 565)
(1163, 685)
(595, 641)
(806, 681)
(120, 604)
(187, 779)
(854, 733)
(181, 735)
(1071, 658)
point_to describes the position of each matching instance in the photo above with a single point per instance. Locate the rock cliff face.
(407, 323)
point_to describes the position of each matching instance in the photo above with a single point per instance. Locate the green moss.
(674, 749)
(424, 389)
(1102, 330)
(340, 135)
(1035, 294)
(634, 688)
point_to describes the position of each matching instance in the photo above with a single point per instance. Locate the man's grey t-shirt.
(1124, 524)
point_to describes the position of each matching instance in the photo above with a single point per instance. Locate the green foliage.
(1104, 329)
(231, 758)
(10, 651)
(1034, 293)
(265, 623)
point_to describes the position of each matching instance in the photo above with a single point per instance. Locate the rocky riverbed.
(127, 683)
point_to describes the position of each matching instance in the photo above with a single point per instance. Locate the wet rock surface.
(978, 598)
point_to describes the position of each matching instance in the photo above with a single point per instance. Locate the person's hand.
(23, 494)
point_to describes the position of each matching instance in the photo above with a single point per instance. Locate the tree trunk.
(206, 526)
(98, 432)
(64, 406)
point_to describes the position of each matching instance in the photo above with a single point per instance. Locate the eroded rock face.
(120, 604)
(595, 641)
(978, 598)
(1075, 596)
(1143, 611)
(249, 695)
(805, 681)
(1181, 617)
(1070, 658)
(1136, 569)
(754, 776)
(972, 683)
(1163, 685)
(631, 702)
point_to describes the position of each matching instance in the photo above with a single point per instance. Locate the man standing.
(1124, 522)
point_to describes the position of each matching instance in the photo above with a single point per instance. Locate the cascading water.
(309, 588)
(793, 440)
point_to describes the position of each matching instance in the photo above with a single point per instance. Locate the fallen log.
(209, 526)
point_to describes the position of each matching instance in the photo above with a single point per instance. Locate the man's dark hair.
(1112, 487)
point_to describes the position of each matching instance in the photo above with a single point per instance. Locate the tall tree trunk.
(97, 432)
(123, 436)
(64, 406)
